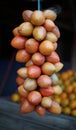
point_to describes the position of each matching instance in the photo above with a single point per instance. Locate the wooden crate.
(11, 119)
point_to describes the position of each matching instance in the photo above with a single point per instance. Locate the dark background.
(11, 16)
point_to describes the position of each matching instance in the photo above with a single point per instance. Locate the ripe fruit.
(39, 33)
(19, 80)
(26, 15)
(47, 91)
(15, 97)
(56, 31)
(37, 18)
(44, 81)
(51, 37)
(53, 57)
(49, 25)
(38, 58)
(34, 97)
(22, 72)
(46, 47)
(33, 71)
(30, 84)
(57, 89)
(40, 110)
(31, 45)
(18, 42)
(25, 29)
(58, 66)
(55, 108)
(22, 56)
(23, 92)
(50, 14)
(36, 41)
(15, 31)
(26, 106)
(48, 68)
(46, 102)
(29, 63)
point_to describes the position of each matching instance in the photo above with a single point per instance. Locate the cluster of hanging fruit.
(36, 42)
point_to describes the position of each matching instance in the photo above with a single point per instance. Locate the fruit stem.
(38, 4)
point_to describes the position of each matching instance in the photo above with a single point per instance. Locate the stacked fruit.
(67, 99)
(36, 42)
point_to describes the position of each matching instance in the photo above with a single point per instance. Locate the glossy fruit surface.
(37, 18)
(30, 84)
(22, 56)
(46, 102)
(40, 110)
(31, 45)
(44, 81)
(38, 58)
(46, 47)
(19, 80)
(23, 92)
(25, 29)
(33, 71)
(34, 97)
(39, 33)
(26, 107)
(53, 57)
(18, 42)
(22, 72)
(47, 91)
(48, 68)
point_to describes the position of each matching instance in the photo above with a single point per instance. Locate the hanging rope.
(38, 4)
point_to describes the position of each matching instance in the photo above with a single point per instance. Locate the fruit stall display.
(36, 42)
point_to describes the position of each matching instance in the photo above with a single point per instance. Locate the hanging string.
(38, 4)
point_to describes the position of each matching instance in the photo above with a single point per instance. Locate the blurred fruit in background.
(67, 99)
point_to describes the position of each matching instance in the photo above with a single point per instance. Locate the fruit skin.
(53, 57)
(15, 31)
(37, 18)
(48, 68)
(39, 33)
(34, 97)
(30, 84)
(19, 80)
(22, 91)
(26, 107)
(58, 66)
(50, 14)
(29, 63)
(22, 56)
(40, 110)
(55, 108)
(49, 25)
(51, 37)
(44, 81)
(18, 42)
(46, 102)
(46, 47)
(47, 91)
(15, 97)
(56, 31)
(26, 15)
(57, 89)
(25, 29)
(38, 58)
(33, 71)
(22, 72)
(31, 45)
